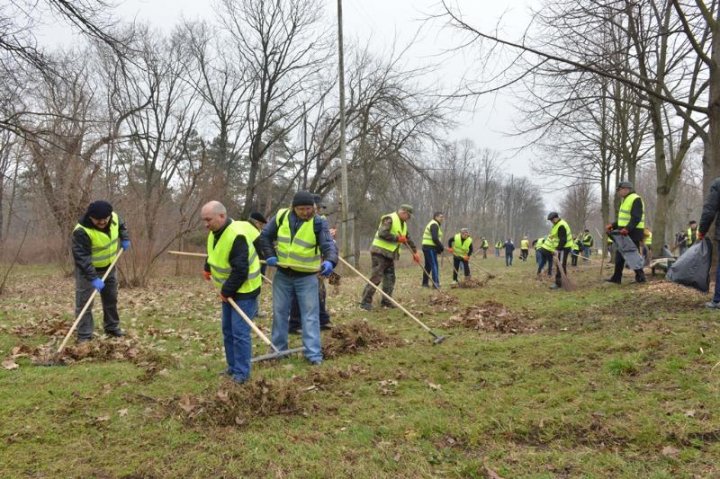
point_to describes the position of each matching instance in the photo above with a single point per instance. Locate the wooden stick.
(252, 325)
(566, 283)
(87, 304)
(388, 297)
(188, 253)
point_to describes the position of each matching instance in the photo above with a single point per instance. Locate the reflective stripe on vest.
(219, 255)
(460, 249)
(398, 227)
(624, 217)
(103, 247)
(301, 250)
(427, 236)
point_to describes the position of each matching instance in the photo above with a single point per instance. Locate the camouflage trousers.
(383, 270)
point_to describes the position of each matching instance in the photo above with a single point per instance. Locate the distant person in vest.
(524, 248)
(304, 249)
(692, 234)
(587, 243)
(560, 242)
(631, 223)
(432, 246)
(94, 246)
(484, 245)
(233, 266)
(384, 251)
(461, 247)
(544, 251)
(575, 250)
(498, 246)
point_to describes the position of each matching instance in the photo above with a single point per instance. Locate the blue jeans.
(508, 259)
(431, 266)
(305, 288)
(546, 257)
(586, 251)
(236, 338)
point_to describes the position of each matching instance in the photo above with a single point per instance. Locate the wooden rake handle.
(252, 325)
(87, 304)
(203, 255)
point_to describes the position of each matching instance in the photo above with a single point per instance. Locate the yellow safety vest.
(499, 244)
(648, 238)
(485, 244)
(300, 252)
(553, 241)
(427, 236)
(219, 255)
(103, 247)
(460, 249)
(524, 244)
(690, 241)
(587, 240)
(624, 217)
(539, 242)
(399, 227)
(576, 245)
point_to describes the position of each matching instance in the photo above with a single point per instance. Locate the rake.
(567, 284)
(437, 339)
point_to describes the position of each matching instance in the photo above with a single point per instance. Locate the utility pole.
(344, 195)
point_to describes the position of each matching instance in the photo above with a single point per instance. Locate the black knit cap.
(303, 198)
(99, 209)
(257, 216)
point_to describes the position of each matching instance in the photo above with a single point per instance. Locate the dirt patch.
(238, 405)
(492, 316)
(111, 350)
(355, 336)
(470, 283)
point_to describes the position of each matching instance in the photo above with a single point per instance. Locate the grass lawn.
(604, 382)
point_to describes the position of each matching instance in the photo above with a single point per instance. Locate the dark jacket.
(710, 210)
(509, 248)
(636, 214)
(327, 246)
(81, 247)
(239, 266)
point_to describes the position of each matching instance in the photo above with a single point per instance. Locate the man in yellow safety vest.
(461, 247)
(233, 266)
(524, 248)
(94, 246)
(631, 223)
(559, 241)
(385, 249)
(432, 246)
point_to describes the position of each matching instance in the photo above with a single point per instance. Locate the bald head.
(214, 215)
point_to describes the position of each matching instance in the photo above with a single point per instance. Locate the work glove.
(98, 284)
(125, 245)
(207, 275)
(223, 298)
(416, 257)
(401, 239)
(272, 261)
(700, 235)
(450, 250)
(608, 227)
(326, 268)
(466, 258)
(624, 232)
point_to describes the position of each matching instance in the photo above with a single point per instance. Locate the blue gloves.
(98, 284)
(125, 244)
(271, 261)
(326, 268)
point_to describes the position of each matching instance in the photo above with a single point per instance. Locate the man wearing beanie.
(94, 246)
(303, 240)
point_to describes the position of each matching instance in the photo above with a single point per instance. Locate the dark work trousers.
(523, 254)
(457, 261)
(545, 259)
(431, 266)
(575, 255)
(83, 291)
(484, 253)
(562, 259)
(295, 324)
(383, 270)
(620, 265)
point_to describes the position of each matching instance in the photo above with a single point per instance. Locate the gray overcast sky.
(380, 23)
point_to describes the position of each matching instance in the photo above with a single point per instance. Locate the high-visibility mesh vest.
(485, 244)
(399, 227)
(103, 247)
(690, 239)
(461, 249)
(648, 238)
(427, 236)
(552, 242)
(576, 245)
(300, 253)
(624, 217)
(219, 255)
(587, 240)
(539, 242)
(499, 244)
(524, 244)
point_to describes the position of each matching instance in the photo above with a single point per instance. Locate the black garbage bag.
(692, 268)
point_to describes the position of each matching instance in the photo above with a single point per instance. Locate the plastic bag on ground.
(693, 267)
